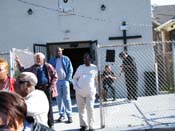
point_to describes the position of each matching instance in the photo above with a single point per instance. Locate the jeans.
(63, 99)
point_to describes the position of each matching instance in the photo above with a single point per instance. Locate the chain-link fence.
(25, 56)
(138, 91)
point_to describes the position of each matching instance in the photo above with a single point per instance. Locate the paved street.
(145, 113)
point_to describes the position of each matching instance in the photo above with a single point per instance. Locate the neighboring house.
(165, 17)
(77, 26)
(164, 33)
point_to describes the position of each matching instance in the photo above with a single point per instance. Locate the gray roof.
(164, 13)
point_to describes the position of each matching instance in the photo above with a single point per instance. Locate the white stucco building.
(76, 25)
(83, 20)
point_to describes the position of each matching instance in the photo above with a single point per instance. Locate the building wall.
(85, 22)
(88, 22)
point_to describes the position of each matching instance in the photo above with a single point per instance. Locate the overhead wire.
(61, 13)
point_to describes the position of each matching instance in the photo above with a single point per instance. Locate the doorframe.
(44, 48)
(74, 44)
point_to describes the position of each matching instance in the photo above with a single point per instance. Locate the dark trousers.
(131, 89)
(109, 88)
(47, 90)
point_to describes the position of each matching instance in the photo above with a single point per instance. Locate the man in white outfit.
(85, 85)
(36, 100)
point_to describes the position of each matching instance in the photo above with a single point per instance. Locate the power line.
(37, 5)
(62, 13)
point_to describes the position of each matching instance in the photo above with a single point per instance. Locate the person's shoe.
(128, 100)
(69, 120)
(60, 119)
(135, 98)
(114, 99)
(51, 127)
(91, 130)
(105, 99)
(83, 128)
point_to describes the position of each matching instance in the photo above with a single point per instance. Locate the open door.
(75, 51)
(93, 52)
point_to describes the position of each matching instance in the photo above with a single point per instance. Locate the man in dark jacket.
(130, 71)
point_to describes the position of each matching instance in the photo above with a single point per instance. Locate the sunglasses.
(22, 81)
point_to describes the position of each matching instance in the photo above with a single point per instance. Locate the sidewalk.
(63, 126)
(159, 116)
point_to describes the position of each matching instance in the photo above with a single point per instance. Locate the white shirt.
(85, 79)
(60, 70)
(38, 106)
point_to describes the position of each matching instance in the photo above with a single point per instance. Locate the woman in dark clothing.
(13, 111)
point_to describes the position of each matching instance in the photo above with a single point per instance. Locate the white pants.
(86, 105)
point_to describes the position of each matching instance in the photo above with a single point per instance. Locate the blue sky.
(163, 2)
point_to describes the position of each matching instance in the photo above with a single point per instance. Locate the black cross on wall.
(124, 37)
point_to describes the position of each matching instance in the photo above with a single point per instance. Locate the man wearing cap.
(64, 70)
(47, 79)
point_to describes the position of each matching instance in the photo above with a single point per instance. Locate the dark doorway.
(76, 56)
(74, 50)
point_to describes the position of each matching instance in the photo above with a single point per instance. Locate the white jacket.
(37, 106)
(85, 80)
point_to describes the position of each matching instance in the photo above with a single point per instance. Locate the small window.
(110, 55)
